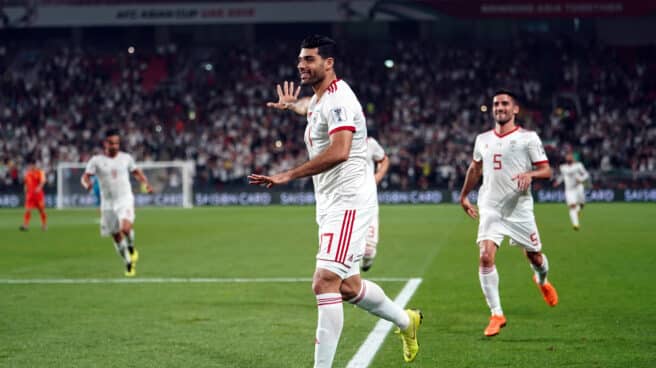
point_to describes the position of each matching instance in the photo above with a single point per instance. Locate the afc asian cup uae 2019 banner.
(89, 14)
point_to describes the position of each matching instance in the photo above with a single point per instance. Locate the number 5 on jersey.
(496, 159)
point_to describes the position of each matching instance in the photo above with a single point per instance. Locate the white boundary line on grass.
(178, 280)
(362, 358)
(374, 341)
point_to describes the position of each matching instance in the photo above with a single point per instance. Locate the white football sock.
(373, 299)
(122, 250)
(541, 271)
(574, 216)
(489, 279)
(329, 327)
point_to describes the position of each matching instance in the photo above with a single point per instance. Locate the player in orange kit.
(34, 181)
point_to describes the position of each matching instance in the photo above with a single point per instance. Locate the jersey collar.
(506, 133)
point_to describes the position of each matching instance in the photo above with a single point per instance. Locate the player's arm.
(539, 159)
(524, 180)
(142, 179)
(85, 180)
(337, 152)
(474, 173)
(584, 175)
(42, 181)
(381, 169)
(288, 99)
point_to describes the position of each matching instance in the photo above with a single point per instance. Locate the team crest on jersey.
(339, 114)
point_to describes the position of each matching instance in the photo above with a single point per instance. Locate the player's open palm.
(469, 208)
(268, 181)
(287, 96)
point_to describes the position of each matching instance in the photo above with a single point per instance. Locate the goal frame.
(187, 169)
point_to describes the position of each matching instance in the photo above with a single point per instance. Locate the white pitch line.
(177, 280)
(374, 341)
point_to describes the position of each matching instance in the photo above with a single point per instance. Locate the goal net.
(171, 182)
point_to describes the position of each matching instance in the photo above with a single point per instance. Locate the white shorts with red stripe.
(342, 238)
(494, 226)
(110, 219)
(372, 230)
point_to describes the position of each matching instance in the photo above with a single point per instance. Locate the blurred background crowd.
(425, 103)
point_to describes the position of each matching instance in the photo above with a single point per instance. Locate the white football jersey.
(375, 153)
(503, 157)
(572, 174)
(348, 185)
(114, 178)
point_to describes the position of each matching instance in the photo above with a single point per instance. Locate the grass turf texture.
(603, 274)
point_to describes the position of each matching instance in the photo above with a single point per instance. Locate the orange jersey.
(33, 178)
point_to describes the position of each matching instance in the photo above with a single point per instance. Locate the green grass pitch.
(604, 275)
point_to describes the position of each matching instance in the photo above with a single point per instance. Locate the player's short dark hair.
(31, 160)
(326, 46)
(111, 132)
(504, 91)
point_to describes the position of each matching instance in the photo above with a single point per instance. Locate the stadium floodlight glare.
(130, 50)
(172, 183)
(389, 63)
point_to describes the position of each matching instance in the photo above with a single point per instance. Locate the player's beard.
(315, 79)
(503, 122)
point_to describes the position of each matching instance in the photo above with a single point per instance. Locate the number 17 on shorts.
(342, 236)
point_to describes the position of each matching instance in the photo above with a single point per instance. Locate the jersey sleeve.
(91, 167)
(377, 150)
(339, 116)
(477, 155)
(583, 173)
(132, 165)
(536, 150)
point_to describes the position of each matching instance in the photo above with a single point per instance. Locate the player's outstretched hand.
(469, 208)
(268, 181)
(523, 181)
(287, 96)
(147, 188)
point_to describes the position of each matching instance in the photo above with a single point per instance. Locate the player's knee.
(486, 258)
(126, 227)
(325, 282)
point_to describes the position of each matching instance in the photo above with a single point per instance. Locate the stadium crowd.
(424, 102)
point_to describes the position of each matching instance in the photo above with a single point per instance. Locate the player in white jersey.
(574, 175)
(346, 198)
(509, 158)
(375, 157)
(113, 169)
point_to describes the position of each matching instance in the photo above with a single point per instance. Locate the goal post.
(172, 183)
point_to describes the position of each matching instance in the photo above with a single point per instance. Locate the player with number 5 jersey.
(508, 158)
